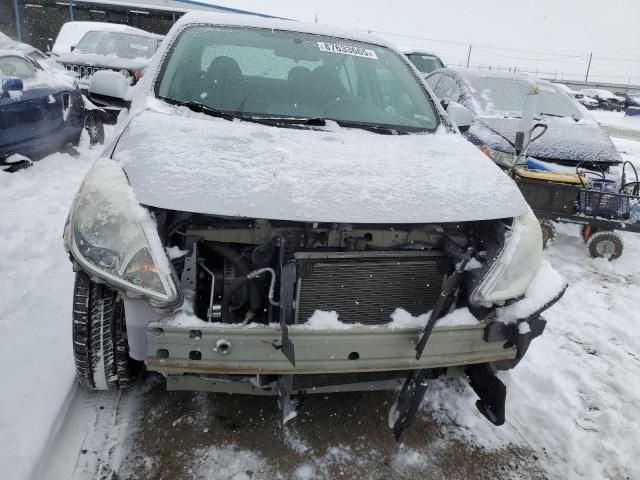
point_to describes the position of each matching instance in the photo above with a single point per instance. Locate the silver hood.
(184, 161)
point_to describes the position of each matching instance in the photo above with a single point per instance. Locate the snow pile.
(229, 463)
(408, 459)
(545, 287)
(36, 361)
(400, 320)
(320, 320)
(459, 317)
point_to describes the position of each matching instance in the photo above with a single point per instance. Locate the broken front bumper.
(215, 349)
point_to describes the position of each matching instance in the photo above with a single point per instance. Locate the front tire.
(100, 345)
(605, 244)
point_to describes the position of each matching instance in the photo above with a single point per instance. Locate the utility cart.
(597, 205)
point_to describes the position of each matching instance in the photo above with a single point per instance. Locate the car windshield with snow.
(278, 216)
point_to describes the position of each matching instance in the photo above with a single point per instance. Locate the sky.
(552, 37)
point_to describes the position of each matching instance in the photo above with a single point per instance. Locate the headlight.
(110, 235)
(516, 265)
(501, 158)
(125, 73)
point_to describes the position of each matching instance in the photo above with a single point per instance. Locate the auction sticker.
(347, 50)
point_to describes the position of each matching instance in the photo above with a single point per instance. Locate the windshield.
(506, 96)
(269, 73)
(425, 63)
(122, 45)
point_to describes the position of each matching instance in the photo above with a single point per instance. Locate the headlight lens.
(115, 238)
(501, 158)
(516, 265)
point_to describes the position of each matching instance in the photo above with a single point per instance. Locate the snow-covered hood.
(184, 161)
(565, 139)
(109, 61)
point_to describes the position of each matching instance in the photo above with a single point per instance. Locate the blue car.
(41, 111)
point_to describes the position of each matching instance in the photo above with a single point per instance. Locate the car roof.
(416, 50)
(235, 20)
(12, 53)
(475, 72)
(107, 27)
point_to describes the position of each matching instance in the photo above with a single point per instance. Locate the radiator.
(367, 289)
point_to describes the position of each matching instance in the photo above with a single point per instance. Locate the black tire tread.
(605, 235)
(99, 336)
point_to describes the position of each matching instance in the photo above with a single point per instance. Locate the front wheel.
(100, 345)
(605, 244)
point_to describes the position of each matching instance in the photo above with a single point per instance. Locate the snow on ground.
(36, 281)
(616, 119)
(629, 149)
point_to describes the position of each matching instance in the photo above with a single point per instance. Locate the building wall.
(7, 18)
(40, 20)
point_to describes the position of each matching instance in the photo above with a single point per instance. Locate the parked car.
(7, 43)
(584, 100)
(495, 100)
(424, 60)
(310, 217)
(40, 111)
(631, 100)
(565, 171)
(118, 48)
(607, 100)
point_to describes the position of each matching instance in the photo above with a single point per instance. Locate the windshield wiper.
(283, 121)
(201, 108)
(321, 122)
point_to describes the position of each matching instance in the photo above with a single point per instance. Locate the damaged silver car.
(287, 211)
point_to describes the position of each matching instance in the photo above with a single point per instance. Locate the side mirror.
(72, 48)
(460, 115)
(11, 85)
(106, 83)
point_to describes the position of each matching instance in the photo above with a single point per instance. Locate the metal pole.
(586, 77)
(173, 17)
(71, 16)
(18, 27)
(468, 56)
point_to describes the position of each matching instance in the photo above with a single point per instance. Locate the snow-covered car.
(606, 99)
(118, 48)
(40, 111)
(278, 217)
(46, 62)
(494, 100)
(424, 60)
(586, 101)
(574, 147)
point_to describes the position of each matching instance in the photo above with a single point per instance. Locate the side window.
(17, 68)
(447, 89)
(432, 81)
